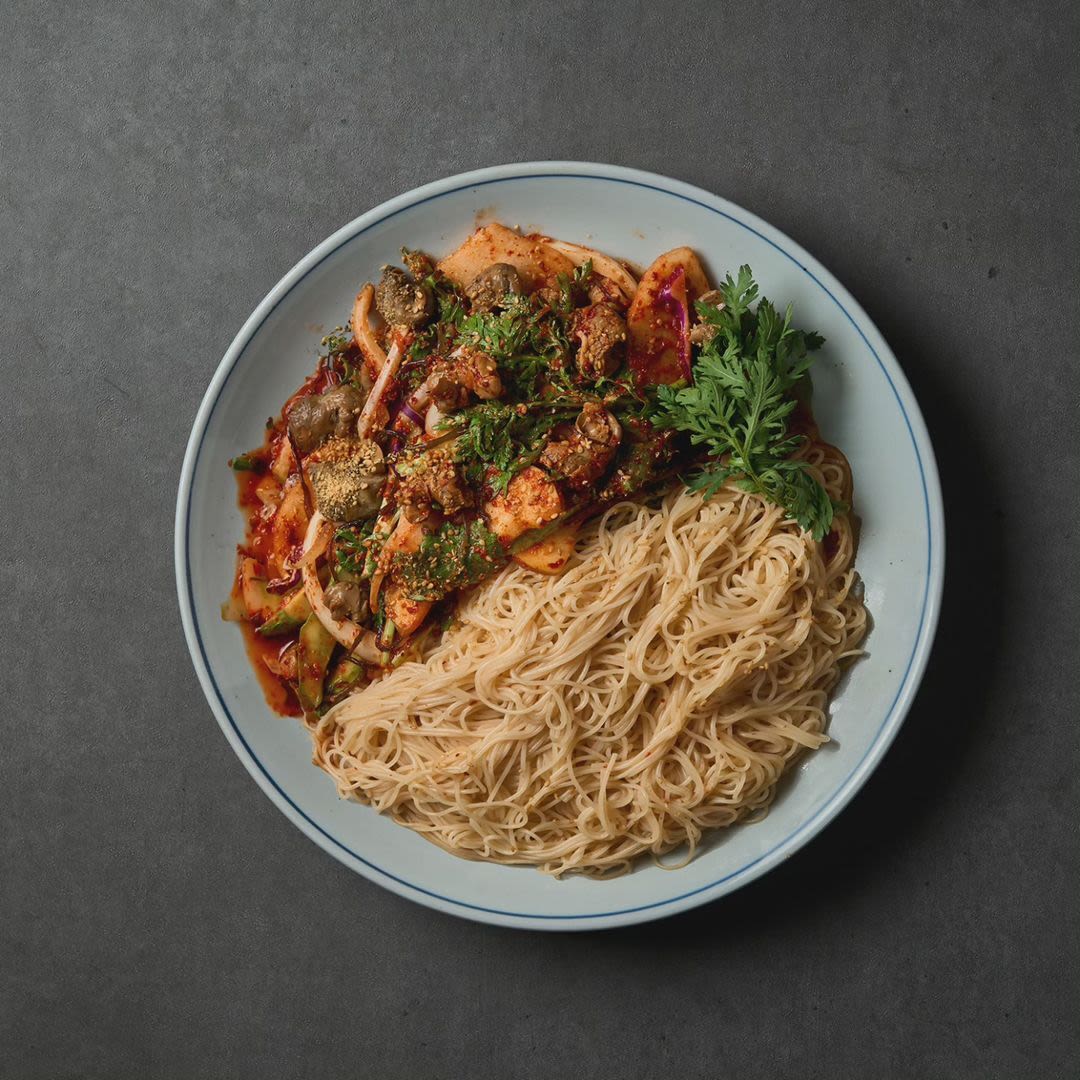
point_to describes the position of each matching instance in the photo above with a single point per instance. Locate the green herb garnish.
(338, 340)
(527, 339)
(454, 557)
(571, 287)
(244, 463)
(435, 337)
(583, 272)
(351, 543)
(508, 438)
(502, 333)
(740, 402)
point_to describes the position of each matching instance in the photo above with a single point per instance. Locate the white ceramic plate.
(863, 404)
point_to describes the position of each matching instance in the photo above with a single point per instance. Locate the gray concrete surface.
(160, 166)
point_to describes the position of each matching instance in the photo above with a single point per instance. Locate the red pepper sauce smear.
(278, 691)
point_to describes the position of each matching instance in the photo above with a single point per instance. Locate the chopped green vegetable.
(451, 307)
(351, 544)
(435, 337)
(533, 536)
(338, 340)
(244, 463)
(507, 437)
(740, 402)
(316, 645)
(527, 339)
(453, 558)
(500, 334)
(288, 617)
(637, 465)
(571, 287)
(343, 677)
(258, 599)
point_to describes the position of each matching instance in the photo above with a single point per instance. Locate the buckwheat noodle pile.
(658, 688)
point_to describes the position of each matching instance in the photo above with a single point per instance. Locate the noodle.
(657, 689)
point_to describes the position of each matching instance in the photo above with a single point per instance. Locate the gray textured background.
(161, 166)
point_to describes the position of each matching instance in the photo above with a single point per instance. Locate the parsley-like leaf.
(454, 557)
(351, 545)
(741, 400)
(526, 338)
(337, 341)
(506, 437)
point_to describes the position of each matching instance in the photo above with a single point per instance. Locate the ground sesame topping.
(347, 477)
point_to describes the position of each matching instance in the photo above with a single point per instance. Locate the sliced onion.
(283, 463)
(268, 492)
(358, 642)
(285, 583)
(378, 391)
(361, 328)
(316, 540)
(364, 647)
(406, 537)
(373, 592)
(603, 264)
(411, 415)
(433, 419)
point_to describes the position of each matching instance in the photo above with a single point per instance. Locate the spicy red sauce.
(279, 694)
(660, 335)
(259, 540)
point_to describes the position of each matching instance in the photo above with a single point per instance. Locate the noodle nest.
(658, 688)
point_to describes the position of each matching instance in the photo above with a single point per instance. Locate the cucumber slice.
(344, 677)
(292, 614)
(316, 645)
(533, 536)
(258, 600)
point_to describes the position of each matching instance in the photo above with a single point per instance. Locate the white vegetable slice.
(359, 642)
(284, 461)
(367, 415)
(361, 329)
(316, 539)
(603, 264)
(432, 419)
(407, 536)
(536, 261)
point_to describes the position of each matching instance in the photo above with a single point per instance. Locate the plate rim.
(905, 398)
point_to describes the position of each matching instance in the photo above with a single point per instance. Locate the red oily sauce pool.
(263, 542)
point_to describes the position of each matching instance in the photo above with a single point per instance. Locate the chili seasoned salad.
(479, 410)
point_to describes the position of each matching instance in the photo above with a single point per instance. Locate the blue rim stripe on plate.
(540, 915)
